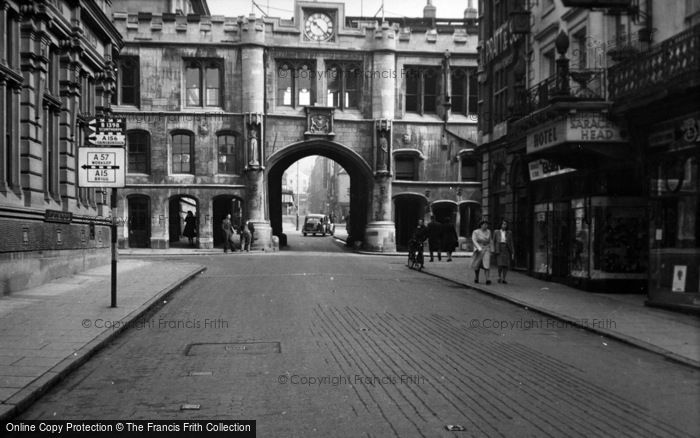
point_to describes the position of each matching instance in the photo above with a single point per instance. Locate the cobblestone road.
(336, 344)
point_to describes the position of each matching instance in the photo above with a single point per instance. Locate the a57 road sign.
(101, 167)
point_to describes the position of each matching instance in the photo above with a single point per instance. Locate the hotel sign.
(502, 39)
(575, 128)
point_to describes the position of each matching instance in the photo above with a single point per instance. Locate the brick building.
(55, 71)
(218, 108)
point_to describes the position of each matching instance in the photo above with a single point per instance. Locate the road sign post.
(114, 248)
(105, 166)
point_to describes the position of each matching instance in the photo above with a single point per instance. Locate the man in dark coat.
(227, 228)
(449, 239)
(434, 238)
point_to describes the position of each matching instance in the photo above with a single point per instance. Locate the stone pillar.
(381, 231)
(380, 234)
(205, 230)
(253, 107)
(256, 199)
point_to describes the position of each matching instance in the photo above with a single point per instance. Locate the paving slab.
(624, 317)
(48, 331)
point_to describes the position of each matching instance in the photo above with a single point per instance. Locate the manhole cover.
(221, 348)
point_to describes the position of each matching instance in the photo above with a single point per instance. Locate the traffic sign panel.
(107, 131)
(107, 139)
(101, 167)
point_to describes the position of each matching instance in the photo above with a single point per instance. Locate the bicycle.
(415, 254)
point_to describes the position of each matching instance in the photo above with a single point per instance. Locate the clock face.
(318, 27)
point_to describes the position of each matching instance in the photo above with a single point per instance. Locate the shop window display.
(580, 250)
(541, 238)
(675, 230)
(619, 240)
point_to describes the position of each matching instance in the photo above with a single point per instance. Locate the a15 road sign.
(101, 167)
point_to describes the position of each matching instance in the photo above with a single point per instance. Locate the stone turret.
(470, 13)
(429, 11)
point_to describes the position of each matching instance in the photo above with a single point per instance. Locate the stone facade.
(376, 97)
(55, 71)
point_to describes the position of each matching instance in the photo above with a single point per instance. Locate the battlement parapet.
(361, 32)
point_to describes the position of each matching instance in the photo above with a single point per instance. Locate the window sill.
(461, 118)
(428, 117)
(205, 109)
(118, 108)
(289, 110)
(137, 174)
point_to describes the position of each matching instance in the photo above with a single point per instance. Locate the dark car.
(317, 224)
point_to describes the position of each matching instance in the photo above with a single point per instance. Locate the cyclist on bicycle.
(415, 245)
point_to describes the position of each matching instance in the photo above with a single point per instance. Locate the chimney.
(429, 11)
(470, 12)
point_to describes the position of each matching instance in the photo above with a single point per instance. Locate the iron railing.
(582, 85)
(672, 61)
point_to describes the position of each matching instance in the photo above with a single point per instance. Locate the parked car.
(318, 224)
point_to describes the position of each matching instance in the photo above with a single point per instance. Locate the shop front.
(589, 226)
(674, 157)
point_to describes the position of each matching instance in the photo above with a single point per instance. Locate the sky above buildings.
(392, 8)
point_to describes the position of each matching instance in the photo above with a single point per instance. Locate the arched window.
(227, 148)
(139, 151)
(183, 152)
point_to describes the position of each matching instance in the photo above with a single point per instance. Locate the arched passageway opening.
(356, 167)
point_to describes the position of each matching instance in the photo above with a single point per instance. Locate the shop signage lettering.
(592, 127)
(502, 39)
(577, 128)
(540, 169)
(679, 133)
(58, 216)
(545, 137)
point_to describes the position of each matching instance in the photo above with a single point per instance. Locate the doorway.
(408, 209)
(178, 208)
(139, 222)
(222, 206)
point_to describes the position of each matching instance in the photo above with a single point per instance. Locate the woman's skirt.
(482, 259)
(504, 256)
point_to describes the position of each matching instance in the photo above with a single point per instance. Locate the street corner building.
(218, 108)
(588, 133)
(56, 71)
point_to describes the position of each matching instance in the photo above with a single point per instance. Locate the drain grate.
(225, 348)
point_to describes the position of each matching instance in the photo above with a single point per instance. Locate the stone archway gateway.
(370, 195)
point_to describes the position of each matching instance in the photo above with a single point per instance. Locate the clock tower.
(319, 21)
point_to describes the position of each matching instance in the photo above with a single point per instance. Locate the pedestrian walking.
(481, 237)
(503, 250)
(449, 239)
(227, 228)
(190, 230)
(434, 238)
(248, 230)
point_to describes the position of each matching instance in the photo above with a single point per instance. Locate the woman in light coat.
(481, 237)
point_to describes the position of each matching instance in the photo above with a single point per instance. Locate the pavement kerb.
(601, 331)
(42, 384)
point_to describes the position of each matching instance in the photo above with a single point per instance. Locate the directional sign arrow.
(92, 166)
